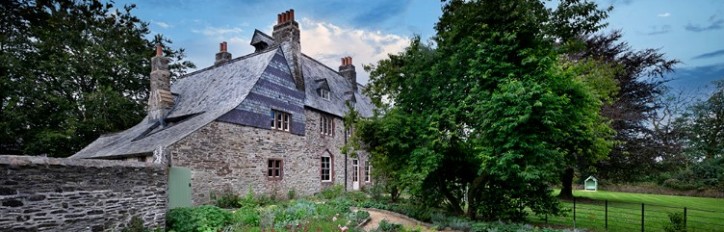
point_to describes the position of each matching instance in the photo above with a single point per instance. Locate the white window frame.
(328, 168)
(368, 171)
(325, 93)
(281, 120)
(326, 125)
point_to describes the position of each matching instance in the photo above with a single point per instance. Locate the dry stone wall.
(51, 194)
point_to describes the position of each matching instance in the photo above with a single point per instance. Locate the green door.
(179, 187)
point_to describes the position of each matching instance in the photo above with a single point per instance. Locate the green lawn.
(624, 212)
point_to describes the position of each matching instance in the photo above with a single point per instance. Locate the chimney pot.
(279, 19)
(159, 50)
(291, 14)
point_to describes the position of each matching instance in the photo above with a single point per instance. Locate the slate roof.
(205, 95)
(316, 74)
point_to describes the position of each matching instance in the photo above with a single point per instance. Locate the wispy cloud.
(328, 42)
(710, 54)
(621, 2)
(218, 31)
(162, 24)
(664, 15)
(658, 30)
(715, 23)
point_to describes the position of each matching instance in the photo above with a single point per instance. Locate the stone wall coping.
(19, 160)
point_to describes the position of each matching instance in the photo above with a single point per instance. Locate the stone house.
(270, 121)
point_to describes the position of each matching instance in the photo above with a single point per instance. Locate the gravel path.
(377, 217)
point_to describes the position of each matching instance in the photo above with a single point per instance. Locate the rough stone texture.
(50, 194)
(224, 156)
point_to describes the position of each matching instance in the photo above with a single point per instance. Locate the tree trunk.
(567, 184)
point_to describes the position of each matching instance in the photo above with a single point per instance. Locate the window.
(326, 125)
(324, 93)
(368, 170)
(355, 170)
(274, 169)
(326, 168)
(280, 120)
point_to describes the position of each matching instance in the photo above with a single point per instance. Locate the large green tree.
(71, 71)
(493, 111)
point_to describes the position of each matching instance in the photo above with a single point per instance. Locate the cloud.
(710, 54)
(328, 43)
(658, 30)
(664, 15)
(621, 2)
(218, 31)
(715, 24)
(162, 24)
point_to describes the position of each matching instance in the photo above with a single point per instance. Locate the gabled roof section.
(260, 37)
(341, 90)
(203, 96)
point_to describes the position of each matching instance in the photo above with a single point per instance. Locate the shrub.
(203, 218)
(332, 192)
(386, 226)
(358, 217)
(676, 223)
(291, 194)
(226, 199)
(356, 196)
(135, 225)
(246, 216)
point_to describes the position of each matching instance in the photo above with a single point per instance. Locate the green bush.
(201, 219)
(386, 226)
(135, 225)
(332, 192)
(226, 199)
(676, 223)
(291, 194)
(246, 216)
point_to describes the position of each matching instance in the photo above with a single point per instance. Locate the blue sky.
(689, 31)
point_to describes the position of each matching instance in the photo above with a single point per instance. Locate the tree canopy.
(71, 71)
(484, 121)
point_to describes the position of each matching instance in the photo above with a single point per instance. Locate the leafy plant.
(135, 225)
(291, 194)
(676, 223)
(228, 199)
(246, 216)
(386, 226)
(332, 192)
(203, 218)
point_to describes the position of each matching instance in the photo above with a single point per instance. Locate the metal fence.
(625, 216)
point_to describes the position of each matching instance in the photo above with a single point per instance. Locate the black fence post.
(606, 215)
(684, 217)
(574, 210)
(642, 217)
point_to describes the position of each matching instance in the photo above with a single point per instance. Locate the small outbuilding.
(590, 184)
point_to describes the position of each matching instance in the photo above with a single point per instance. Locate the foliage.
(246, 216)
(70, 71)
(332, 192)
(227, 199)
(201, 219)
(135, 225)
(291, 194)
(386, 226)
(640, 76)
(485, 121)
(676, 223)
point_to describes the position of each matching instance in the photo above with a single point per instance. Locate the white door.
(355, 174)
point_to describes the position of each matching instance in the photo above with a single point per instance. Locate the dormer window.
(324, 93)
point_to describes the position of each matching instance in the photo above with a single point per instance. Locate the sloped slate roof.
(339, 87)
(202, 96)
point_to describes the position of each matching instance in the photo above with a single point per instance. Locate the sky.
(690, 31)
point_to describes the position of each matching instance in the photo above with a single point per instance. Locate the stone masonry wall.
(51, 194)
(231, 157)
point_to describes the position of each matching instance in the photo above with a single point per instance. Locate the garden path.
(376, 216)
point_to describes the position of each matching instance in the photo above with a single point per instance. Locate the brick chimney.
(223, 56)
(160, 99)
(286, 33)
(347, 71)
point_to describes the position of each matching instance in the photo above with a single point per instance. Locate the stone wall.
(230, 157)
(51, 194)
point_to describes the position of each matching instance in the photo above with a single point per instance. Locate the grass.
(624, 212)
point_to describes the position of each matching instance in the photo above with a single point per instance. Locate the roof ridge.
(270, 48)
